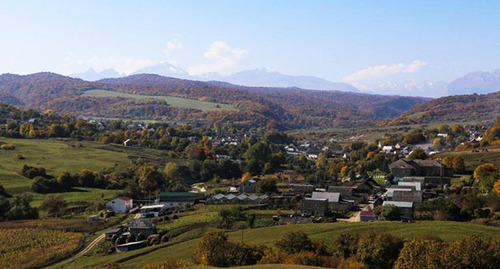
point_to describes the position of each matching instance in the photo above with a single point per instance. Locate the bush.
(32, 172)
(295, 242)
(8, 147)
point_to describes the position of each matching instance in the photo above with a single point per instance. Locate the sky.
(350, 41)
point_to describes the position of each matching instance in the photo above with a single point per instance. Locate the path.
(79, 254)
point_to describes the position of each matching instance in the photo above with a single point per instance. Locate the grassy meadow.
(58, 155)
(172, 101)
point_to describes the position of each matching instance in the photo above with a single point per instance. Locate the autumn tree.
(295, 242)
(471, 252)
(421, 253)
(148, 178)
(418, 154)
(486, 176)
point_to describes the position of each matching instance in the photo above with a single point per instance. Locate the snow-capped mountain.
(408, 88)
(92, 75)
(476, 82)
(266, 78)
(164, 69)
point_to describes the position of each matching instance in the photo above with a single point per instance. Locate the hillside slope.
(459, 108)
(239, 106)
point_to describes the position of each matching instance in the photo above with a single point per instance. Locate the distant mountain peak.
(266, 77)
(92, 75)
(164, 69)
(479, 82)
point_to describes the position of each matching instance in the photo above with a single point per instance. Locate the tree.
(87, 178)
(173, 177)
(246, 176)
(212, 249)
(266, 186)
(421, 253)
(20, 208)
(496, 187)
(486, 175)
(54, 205)
(66, 180)
(148, 178)
(295, 242)
(388, 212)
(418, 154)
(321, 162)
(471, 252)
(456, 162)
(4, 207)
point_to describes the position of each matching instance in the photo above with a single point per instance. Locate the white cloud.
(222, 58)
(171, 46)
(122, 65)
(384, 70)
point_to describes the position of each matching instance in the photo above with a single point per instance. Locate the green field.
(58, 155)
(473, 159)
(172, 101)
(326, 232)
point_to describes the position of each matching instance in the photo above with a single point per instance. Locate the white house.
(120, 205)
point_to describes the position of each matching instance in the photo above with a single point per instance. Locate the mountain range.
(147, 96)
(474, 82)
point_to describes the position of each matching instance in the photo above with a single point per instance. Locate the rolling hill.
(146, 96)
(458, 108)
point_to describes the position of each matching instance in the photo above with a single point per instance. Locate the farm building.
(249, 186)
(424, 168)
(405, 207)
(335, 203)
(179, 199)
(315, 207)
(144, 227)
(121, 204)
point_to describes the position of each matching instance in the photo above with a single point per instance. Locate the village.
(414, 182)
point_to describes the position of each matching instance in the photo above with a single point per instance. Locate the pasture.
(172, 101)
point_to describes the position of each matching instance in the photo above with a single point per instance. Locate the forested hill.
(155, 97)
(458, 108)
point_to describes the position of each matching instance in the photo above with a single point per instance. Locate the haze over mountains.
(475, 82)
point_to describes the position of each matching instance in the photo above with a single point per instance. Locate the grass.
(58, 155)
(326, 232)
(172, 101)
(203, 217)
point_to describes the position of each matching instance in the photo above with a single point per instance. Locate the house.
(387, 149)
(426, 168)
(179, 199)
(313, 154)
(144, 227)
(345, 191)
(315, 207)
(367, 215)
(120, 205)
(368, 186)
(405, 207)
(155, 210)
(116, 231)
(301, 188)
(335, 203)
(248, 186)
(404, 194)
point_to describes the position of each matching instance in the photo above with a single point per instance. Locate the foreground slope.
(326, 232)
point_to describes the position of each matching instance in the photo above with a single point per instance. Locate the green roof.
(177, 197)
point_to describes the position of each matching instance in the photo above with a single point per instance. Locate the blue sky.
(353, 41)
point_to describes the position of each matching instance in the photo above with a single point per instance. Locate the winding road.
(79, 254)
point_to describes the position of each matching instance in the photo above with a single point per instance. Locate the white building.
(120, 205)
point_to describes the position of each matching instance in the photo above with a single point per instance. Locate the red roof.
(124, 198)
(366, 213)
